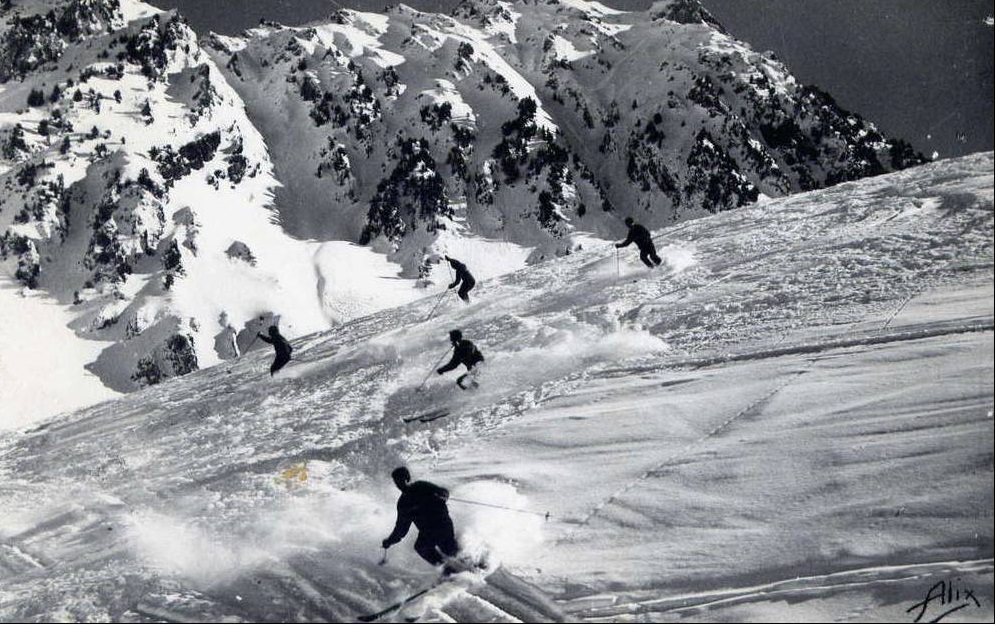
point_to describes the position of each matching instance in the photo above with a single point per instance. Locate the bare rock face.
(240, 251)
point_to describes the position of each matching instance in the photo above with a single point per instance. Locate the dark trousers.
(278, 362)
(647, 254)
(435, 546)
(464, 290)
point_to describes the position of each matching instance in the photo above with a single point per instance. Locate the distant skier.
(641, 237)
(464, 353)
(462, 275)
(280, 345)
(423, 504)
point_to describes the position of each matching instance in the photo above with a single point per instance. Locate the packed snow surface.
(791, 419)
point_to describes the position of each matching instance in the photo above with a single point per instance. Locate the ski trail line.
(916, 292)
(811, 584)
(681, 452)
(754, 404)
(807, 348)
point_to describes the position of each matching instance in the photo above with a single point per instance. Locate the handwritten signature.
(943, 599)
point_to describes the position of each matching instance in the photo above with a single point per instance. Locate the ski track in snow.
(792, 419)
(816, 585)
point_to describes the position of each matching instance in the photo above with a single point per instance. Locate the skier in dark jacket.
(641, 237)
(280, 345)
(423, 504)
(462, 275)
(464, 353)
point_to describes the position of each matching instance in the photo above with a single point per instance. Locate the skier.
(464, 353)
(462, 275)
(639, 235)
(280, 345)
(423, 504)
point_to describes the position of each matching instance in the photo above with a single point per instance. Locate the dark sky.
(920, 69)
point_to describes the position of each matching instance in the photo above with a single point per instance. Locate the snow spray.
(498, 531)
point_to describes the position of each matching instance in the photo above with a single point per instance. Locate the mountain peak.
(684, 12)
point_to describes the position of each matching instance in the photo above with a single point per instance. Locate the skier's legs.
(425, 546)
(439, 543)
(651, 252)
(464, 291)
(278, 363)
(644, 255)
(446, 541)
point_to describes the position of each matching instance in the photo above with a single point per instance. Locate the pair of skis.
(428, 417)
(459, 566)
(369, 618)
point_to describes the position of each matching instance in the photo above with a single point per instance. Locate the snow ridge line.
(491, 606)
(162, 614)
(21, 556)
(891, 337)
(839, 580)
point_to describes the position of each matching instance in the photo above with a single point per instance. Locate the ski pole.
(432, 312)
(545, 515)
(618, 272)
(438, 362)
(254, 338)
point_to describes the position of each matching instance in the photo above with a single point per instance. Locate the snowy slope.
(26, 365)
(792, 420)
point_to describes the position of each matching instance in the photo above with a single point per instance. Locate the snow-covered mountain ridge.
(134, 186)
(528, 121)
(174, 196)
(138, 198)
(792, 419)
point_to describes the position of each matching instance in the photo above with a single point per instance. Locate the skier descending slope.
(464, 353)
(462, 275)
(424, 504)
(280, 345)
(639, 235)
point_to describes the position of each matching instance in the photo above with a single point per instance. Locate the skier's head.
(629, 221)
(273, 330)
(401, 477)
(455, 336)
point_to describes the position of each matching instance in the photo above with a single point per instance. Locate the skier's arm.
(265, 339)
(452, 364)
(628, 240)
(400, 528)
(459, 277)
